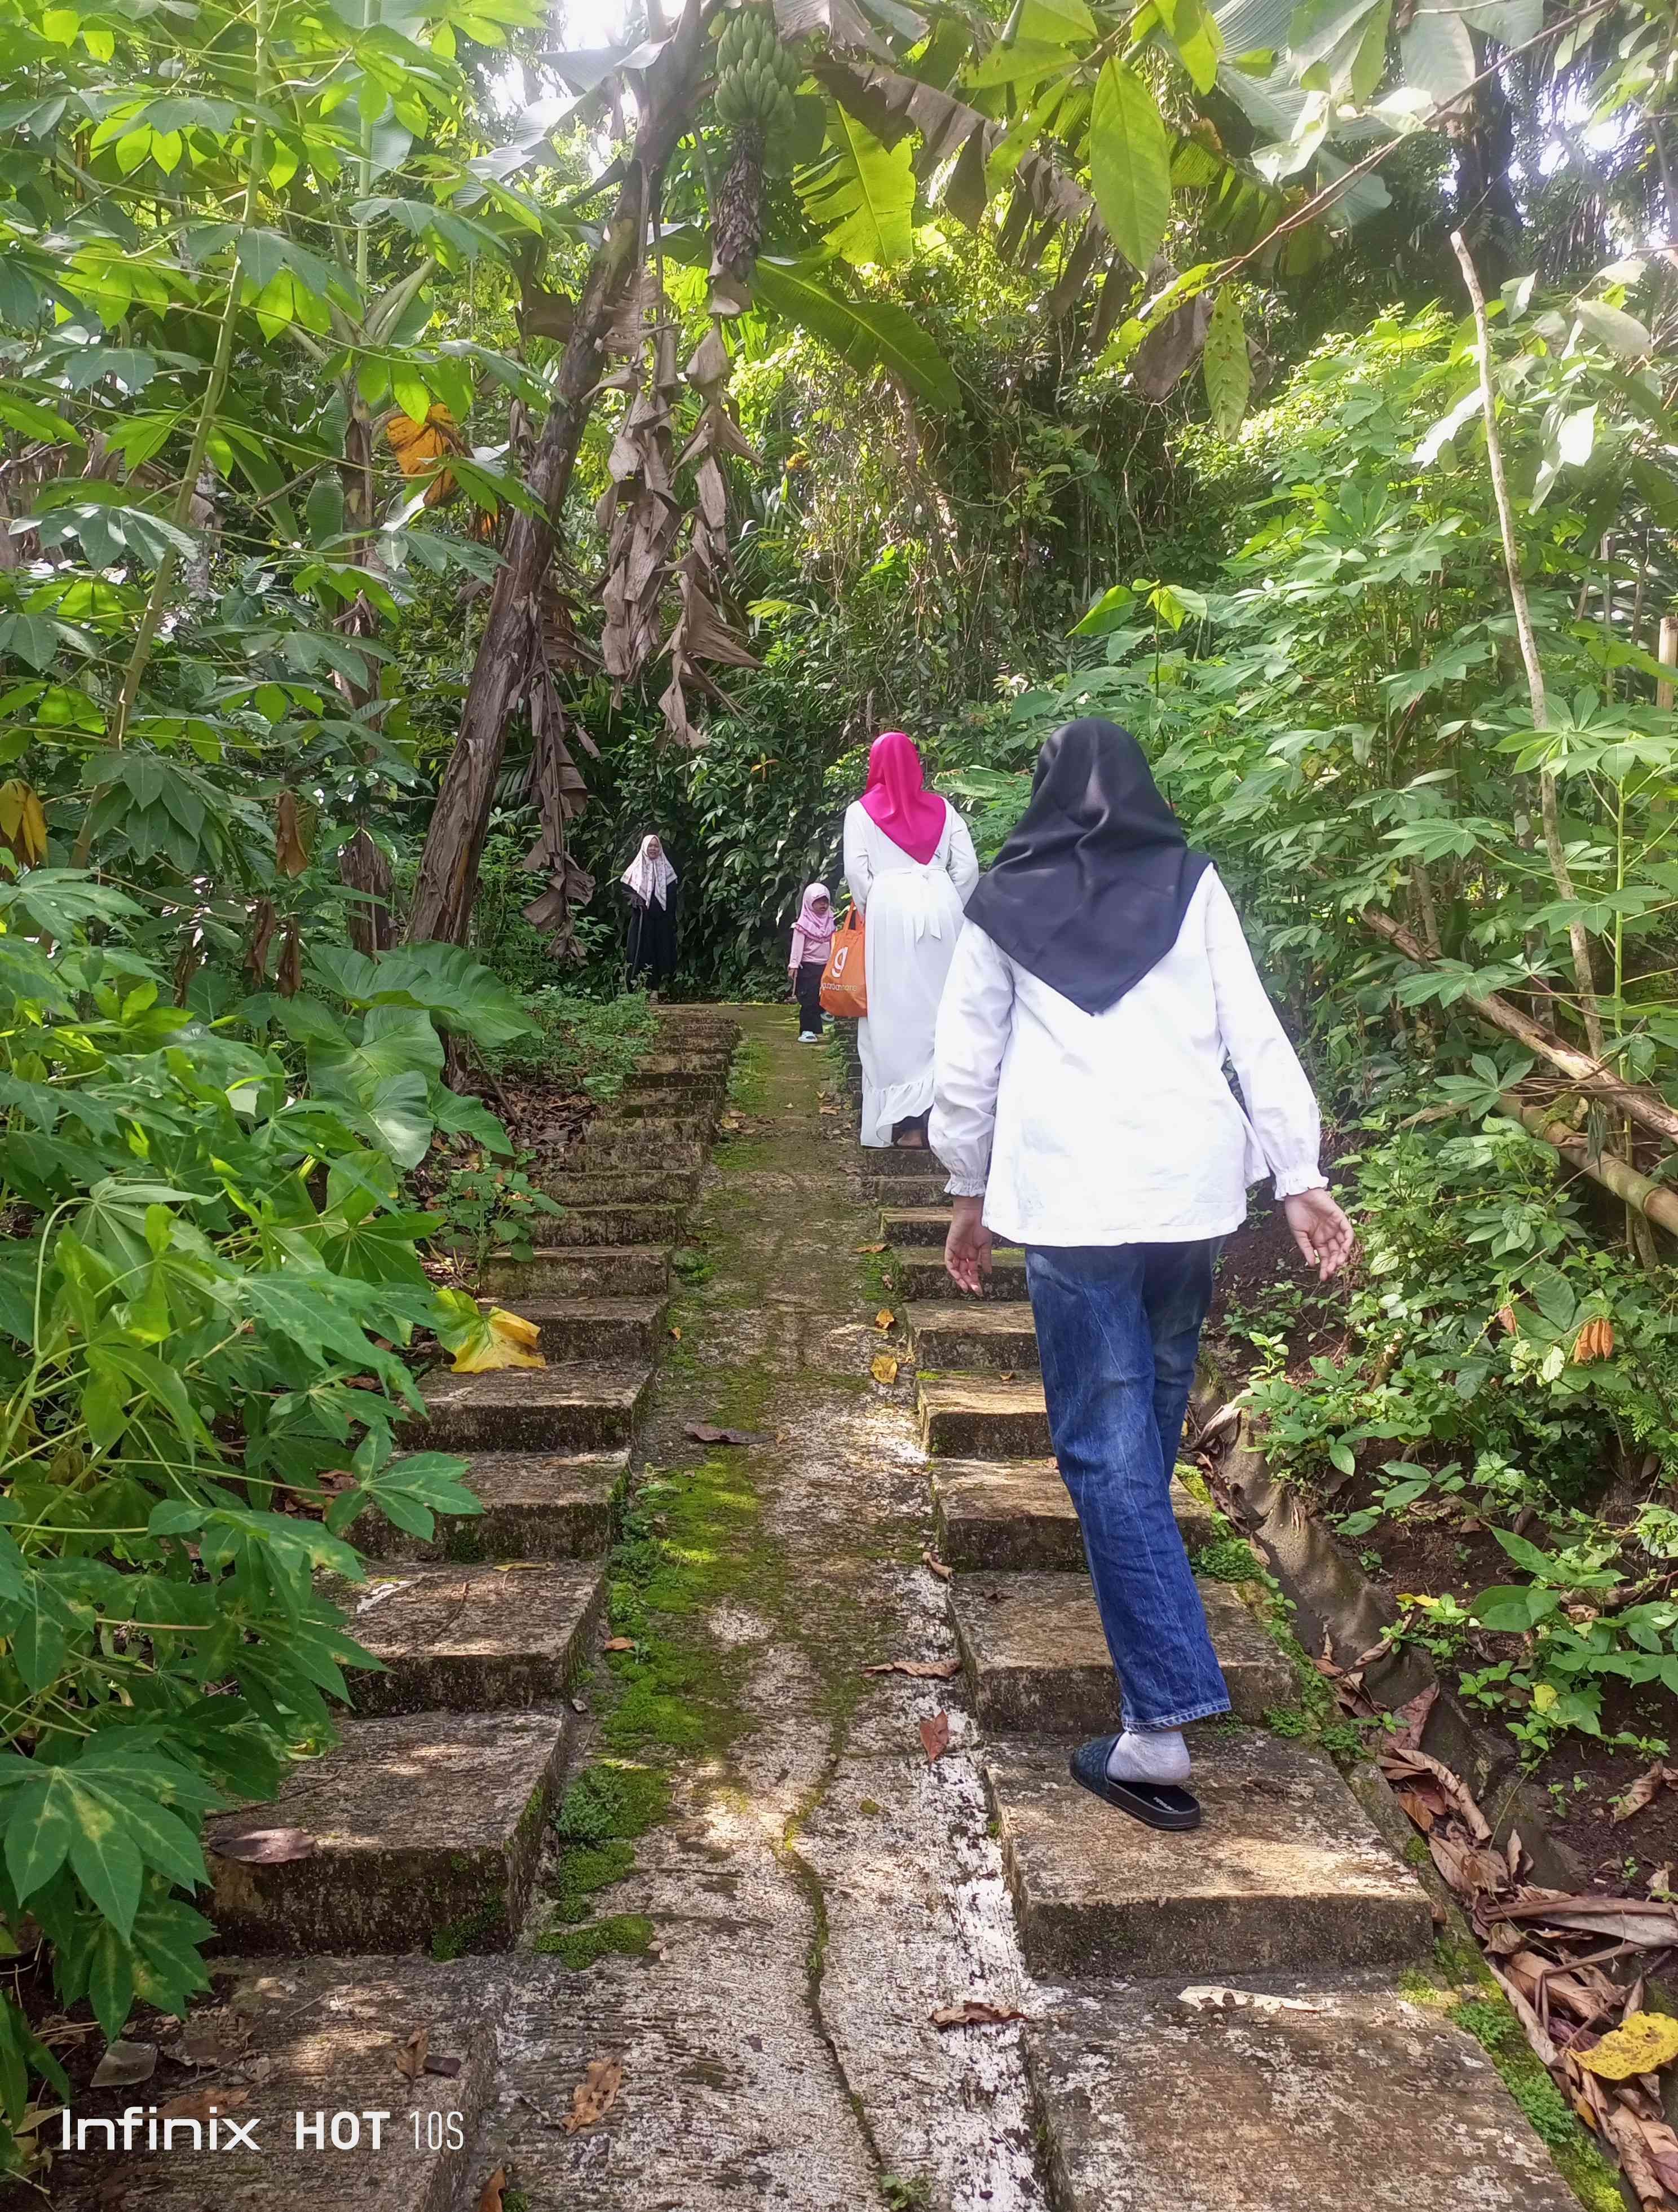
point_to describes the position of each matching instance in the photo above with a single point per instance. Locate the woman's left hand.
(967, 1247)
(1321, 1230)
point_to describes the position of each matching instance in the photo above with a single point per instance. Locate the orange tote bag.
(844, 978)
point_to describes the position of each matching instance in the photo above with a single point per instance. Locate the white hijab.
(649, 875)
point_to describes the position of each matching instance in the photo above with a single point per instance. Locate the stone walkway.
(724, 1860)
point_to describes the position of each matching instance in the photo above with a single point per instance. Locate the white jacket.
(1120, 1127)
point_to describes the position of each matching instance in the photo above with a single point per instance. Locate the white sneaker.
(808, 1036)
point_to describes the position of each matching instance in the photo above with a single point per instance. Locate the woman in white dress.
(910, 864)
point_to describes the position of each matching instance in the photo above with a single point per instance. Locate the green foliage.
(489, 1210)
(581, 1044)
(202, 1262)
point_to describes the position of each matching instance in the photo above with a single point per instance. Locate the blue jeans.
(1117, 1329)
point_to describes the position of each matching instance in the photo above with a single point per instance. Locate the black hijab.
(1089, 891)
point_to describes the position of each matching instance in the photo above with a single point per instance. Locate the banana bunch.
(755, 74)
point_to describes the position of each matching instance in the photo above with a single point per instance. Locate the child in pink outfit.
(812, 933)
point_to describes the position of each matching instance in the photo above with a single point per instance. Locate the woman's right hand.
(1321, 1230)
(967, 1247)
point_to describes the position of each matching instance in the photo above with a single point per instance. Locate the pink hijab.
(816, 928)
(896, 798)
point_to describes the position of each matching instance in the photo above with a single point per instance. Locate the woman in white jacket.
(910, 864)
(1081, 1106)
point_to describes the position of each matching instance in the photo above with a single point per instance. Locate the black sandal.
(1157, 1804)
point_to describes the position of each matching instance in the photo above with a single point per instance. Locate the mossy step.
(614, 1185)
(597, 1329)
(982, 1416)
(473, 1639)
(919, 1273)
(1281, 2096)
(324, 2038)
(588, 1227)
(536, 1505)
(1286, 1872)
(973, 1333)
(427, 1830)
(1037, 1663)
(571, 1271)
(915, 1227)
(1016, 1515)
(533, 1409)
(663, 1074)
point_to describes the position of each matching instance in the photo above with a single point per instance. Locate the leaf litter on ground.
(1544, 1949)
(595, 2095)
(703, 1432)
(123, 2064)
(935, 1737)
(921, 1670)
(265, 1846)
(883, 1368)
(975, 2013)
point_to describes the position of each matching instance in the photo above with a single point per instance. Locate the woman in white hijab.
(651, 882)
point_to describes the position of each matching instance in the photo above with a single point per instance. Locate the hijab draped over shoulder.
(650, 874)
(1090, 890)
(896, 798)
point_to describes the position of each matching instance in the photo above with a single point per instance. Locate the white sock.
(1149, 1755)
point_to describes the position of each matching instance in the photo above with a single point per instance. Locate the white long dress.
(913, 912)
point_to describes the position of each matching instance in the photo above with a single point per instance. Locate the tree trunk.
(448, 877)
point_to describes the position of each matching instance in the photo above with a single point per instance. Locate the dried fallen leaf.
(619, 1644)
(935, 1737)
(934, 1565)
(871, 1247)
(448, 2068)
(203, 2105)
(595, 2094)
(1660, 1882)
(264, 1846)
(489, 2197)
(923, 1670)
(124, 2063)
(411, 2058)
(883, 1368)
(505, 1340)
(702, 1432)
(1643, 2043)
(975, 2013)
(885, 1319)
(1643, 1791)
(676, 1333)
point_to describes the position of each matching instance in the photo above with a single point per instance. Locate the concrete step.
(668, 1075)
(920, 1273)
(1286, 1873)
(597, 1329)
(426, 1831)
(1037, 1663)
(1016, 1515)
(695, 1110)
(916, 1191)
(626, 1185)
(915, 1227)
(473, 1639)
(982, 1416)
(572, 1271)
(323, 2036)
(591, 1226)
(892, 1162)
(973, 1333)
(532, 1409)
(535, 1506)
(617, 1147)
(1282, 2095)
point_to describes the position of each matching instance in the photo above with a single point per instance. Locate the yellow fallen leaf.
(884, 1318)
(1642, 2043)
(504, 1339)
(883, 1368)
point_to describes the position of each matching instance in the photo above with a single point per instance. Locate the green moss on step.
(471, 1929)
(1227, 1559)
(629, 1933)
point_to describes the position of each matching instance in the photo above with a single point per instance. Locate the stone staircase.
(1288, 1890)
(428, 1820)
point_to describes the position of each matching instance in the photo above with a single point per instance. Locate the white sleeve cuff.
(961, 1186)
(1291, 1183)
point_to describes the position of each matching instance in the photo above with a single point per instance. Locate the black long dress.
(653, 939)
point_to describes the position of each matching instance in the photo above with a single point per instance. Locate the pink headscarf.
(896, 798)
(816, 928)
